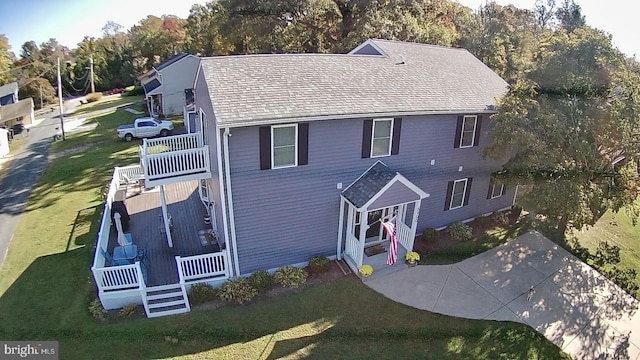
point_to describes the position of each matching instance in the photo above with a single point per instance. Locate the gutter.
(223, 201)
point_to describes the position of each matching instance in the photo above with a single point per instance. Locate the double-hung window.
(467, 131)
(458, 192)
(381, 137)
(496, 188)
(283, 146)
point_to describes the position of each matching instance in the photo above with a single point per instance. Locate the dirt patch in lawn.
(71, 151)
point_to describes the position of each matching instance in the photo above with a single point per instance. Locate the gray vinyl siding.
(397, 193)
(285, 216)
(175, 79)
(203, 102)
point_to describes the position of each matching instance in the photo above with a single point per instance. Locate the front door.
(373, 220)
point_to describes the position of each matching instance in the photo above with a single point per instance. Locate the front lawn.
(45, 290)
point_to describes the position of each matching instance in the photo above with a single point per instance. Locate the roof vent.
(401, 61)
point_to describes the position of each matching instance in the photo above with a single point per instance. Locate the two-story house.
(306, 149)
(298, 155)
(168, 86)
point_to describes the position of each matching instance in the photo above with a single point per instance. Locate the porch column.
(165, 216)
(340, 229)
(364, 226)
(414, 222)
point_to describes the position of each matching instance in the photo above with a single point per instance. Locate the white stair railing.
(404, 235)
(351, 247)
(206, 266)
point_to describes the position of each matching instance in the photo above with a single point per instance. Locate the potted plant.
(412, 257)
(365, 270)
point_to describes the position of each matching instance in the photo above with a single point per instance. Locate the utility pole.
(40, 96)
(93, 87)
(60, 102)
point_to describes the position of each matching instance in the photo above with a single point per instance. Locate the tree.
(156, 38)
(32, 89)
(570, 129)
(6, 61)
(570, 16)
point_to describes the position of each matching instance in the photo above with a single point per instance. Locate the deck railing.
(131, 172)
(201, 267)
(404, 235)
(118, 277)
(177, 163)
(172, 143)
(352, 247)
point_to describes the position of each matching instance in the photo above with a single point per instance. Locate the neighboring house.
(9, 93)
(18, 112)
(299, 155)
(168, 86)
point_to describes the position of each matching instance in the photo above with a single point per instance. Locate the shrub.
(93, 97)
(128, 311)
(261, 280)
(237, 290)
(96, 310)
(430, 234)
(201, 293)
(460, 231)
(318, 264)
(500, 218)
(290, 276)
(516, 210)
(133, 91)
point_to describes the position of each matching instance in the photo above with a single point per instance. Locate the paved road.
(573, 305)
(22, 172)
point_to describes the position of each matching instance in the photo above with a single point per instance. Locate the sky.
(69, 21)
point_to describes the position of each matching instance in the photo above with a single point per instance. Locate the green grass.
(479, 244)
(45, 290)
(616, 229)
(106, 102)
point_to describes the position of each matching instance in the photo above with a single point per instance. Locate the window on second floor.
(283, 146)
(467, 131)
(458, 192)
(381, 137)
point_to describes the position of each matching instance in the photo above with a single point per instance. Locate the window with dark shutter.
(381, 137)
(496, 188)
(458, 192)
(283, 146)
(467, 131)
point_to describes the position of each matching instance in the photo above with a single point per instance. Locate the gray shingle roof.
(369, 184)
(253, 89)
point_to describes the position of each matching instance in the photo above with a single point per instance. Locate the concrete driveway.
(575, 307)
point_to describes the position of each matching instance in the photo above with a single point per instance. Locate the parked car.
(144, 127)
(18, 128)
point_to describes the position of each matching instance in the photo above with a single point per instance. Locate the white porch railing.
(352, 247)
(176, 163)
(201, 267)
(118, 277)
(404, 235)
(172, 143)
(132, 172)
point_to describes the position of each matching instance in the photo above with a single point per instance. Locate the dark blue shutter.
(395, 143)
(447, 200)
(367, 128)
(476, 139)
(265, 147)
(303, 144)
(456, 141)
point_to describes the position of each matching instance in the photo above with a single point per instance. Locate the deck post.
(340, 228)
(414, 222)
(364, 226)
(165, 216)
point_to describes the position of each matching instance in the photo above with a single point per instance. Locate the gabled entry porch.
(379, 195)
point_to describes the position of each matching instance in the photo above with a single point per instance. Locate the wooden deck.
(147, 229)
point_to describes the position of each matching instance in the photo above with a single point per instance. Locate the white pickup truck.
(144, 127)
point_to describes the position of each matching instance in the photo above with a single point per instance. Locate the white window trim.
(493, 190)
(295, 147)
(464, 193)
(373, 133)
(473, 138)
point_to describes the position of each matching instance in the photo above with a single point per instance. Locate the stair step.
(163, 296)
(171, 311)
(167, 299)
(167, 304)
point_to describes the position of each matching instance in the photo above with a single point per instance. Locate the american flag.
(390, 227)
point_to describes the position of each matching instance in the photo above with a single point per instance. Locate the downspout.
(340, 229)
(223, 201)
(232, 222)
